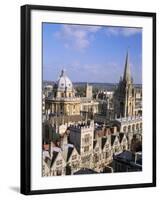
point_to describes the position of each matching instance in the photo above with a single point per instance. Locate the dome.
(64, 83)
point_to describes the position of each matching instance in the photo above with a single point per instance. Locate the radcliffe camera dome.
(64, 83)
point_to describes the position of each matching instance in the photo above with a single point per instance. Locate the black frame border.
(25, 182)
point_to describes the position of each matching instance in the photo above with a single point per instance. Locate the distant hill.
(102, 86)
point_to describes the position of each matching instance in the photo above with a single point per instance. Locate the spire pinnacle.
(127, 72)
(62, 72)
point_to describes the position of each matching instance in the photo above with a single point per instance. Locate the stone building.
(62, 101)
(86, 135)
(73, 159)
(81, 136)
(88, 90)
(96, 156)
(88, 107)
(106, 151)
(115, 143)
(58, 164)
(131, 127)
(85, 147)
(125, 96)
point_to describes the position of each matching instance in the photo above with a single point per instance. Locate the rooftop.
(85, 171)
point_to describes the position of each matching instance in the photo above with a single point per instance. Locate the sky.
(91, 53)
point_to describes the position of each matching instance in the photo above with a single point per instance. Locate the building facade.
(62, 101)
(125, 97)
(84, 134)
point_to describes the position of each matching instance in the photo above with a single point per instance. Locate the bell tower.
(125, 94)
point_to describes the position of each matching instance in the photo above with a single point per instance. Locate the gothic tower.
(125, 94)
(89, 91)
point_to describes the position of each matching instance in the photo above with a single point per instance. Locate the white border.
(41, 183)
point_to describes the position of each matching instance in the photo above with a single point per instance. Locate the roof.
(104, 141)
(85, 171)
(127, 72)
(121, 135)
(125, 155)
(113, 137)
(128, 158)
(65, 119)
(70, 150)
(64, 82)
(48, 161)
(55, 154)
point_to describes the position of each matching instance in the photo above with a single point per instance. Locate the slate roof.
(126, 155)
(48, 161)
(113, 137)
(70, 150)
(121, 135)
(55, 154)
(85, 171)
(103, 142)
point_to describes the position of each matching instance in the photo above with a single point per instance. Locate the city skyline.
(91, 53)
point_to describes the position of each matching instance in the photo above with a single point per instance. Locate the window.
(59, 162)
(85, 159)
(59, 172)
(97, 149)
(96, 159)
(107, 146)
(74, 157)
(86, 148)
(137, 126)
(116, 149)
(86, 138)
(133, 128)
(61, 105)
(107, 154)
(124, 140)
(129, 128)
(124, 147)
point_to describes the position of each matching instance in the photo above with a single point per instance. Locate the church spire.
(127, 72)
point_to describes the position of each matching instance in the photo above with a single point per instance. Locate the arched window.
(137, 126)
(133, 127)
(129, 128)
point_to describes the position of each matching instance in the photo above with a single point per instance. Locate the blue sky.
(91, 53)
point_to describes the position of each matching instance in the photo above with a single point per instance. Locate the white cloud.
(77, 36)
(122, 31)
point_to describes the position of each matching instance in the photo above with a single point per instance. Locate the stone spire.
(127, 72)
